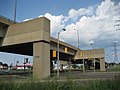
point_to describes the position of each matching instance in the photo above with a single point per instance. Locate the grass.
(115, 68)
(31, 84)
(104, 85)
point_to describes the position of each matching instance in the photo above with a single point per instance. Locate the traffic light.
(81, 54)
(26, 60)
(89, 58)
(54, 53)
(74, 59)
(66, 50)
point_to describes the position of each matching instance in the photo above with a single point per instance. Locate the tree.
(5, 66)
(11, 65)
(1, 63)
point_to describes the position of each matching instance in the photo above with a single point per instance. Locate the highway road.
(64, 75)
(89, 75)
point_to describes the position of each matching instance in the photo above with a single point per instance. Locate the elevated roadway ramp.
(33, 38)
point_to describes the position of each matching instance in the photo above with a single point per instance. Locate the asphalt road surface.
(64, 75)
(89, 75)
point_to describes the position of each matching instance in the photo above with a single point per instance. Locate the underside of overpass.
(88, 63)
(23, 49)
(27, 49)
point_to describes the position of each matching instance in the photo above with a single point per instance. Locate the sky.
(96, 21)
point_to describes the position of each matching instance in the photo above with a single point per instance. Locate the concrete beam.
(5, 21)
(96, 53)
(29, 31)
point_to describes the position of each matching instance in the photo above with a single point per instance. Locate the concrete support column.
(41, 60)
(69, 63)
(102, 64)
(51, 66)
(61, 67)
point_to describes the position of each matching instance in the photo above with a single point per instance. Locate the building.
(24, 66)
(3, 66)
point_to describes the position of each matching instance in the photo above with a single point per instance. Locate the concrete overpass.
(33, 38)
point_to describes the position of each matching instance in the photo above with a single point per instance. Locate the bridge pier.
(102, 64)
(41, 60)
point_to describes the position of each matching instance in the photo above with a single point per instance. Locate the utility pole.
(81, 52)
(15, 7)
(117, 25)
(115, 43)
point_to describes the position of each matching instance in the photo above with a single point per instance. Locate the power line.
(115, 53)
(115, 43)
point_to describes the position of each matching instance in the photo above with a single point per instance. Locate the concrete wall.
(96, 53)
(1, 28)
(3, 31)
(6, 21)
(29, 31)
(70, 49)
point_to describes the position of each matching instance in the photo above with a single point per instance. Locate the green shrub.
(115, 68)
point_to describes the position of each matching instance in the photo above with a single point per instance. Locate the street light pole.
(78, 38)
(93, 54)
(79, 47)
(58, 52)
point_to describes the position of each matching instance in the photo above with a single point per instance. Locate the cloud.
(74, 14)
(57, 23)
(27, 20)
(98, 27)
(94, 24)
(107, 9)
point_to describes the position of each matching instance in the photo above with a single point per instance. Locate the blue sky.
(34, 8)
(95, 20)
